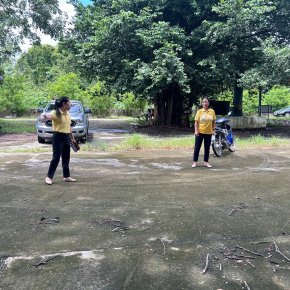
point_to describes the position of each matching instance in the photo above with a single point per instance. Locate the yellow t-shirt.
(205, 119)
(61, 124)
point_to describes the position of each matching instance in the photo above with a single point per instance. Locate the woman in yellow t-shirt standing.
(62, 136)
(204, 128)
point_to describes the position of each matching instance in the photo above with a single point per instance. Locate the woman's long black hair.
(59, 103)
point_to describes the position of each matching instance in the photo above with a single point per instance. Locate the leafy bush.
(130, 105)
(12, 95)
(68, 85)
(278, 97)
(99, 99)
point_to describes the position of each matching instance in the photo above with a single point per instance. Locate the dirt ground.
(146, 220)
(115, 129)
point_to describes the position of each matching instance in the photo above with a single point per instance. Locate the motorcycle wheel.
(232, 148)
(217, 146)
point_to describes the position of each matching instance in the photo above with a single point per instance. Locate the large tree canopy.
(21, 19)
(167, 52)
(173, 52)
(240, 39)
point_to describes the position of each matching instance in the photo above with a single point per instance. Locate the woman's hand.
(196, 133)
(43, 117)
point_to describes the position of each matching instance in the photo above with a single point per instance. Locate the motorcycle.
(223, 137)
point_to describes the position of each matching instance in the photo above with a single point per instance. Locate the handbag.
(75, 145)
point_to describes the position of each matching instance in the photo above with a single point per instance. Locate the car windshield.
(75, 108)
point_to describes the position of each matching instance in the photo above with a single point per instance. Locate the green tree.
(174, 52)
(132, 48)
(99, 99)
(66, 85)
(12, 97)
(278, 97)
(21, 18)
(131, 105)
(237, 41)
(37, 63)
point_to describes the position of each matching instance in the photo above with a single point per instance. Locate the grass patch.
(95, 146)
(143, 142)
(17, 126)
(259, 141)
(26, 150)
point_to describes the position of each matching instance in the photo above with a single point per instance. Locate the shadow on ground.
(146, 220)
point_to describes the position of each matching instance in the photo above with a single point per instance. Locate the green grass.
(17, 126)
(259, 141)
(95, 146)
(26, 150)
(143, 142)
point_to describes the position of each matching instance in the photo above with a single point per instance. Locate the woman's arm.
(213, 126)
(46, 116)
(71, 135)
(196, 125)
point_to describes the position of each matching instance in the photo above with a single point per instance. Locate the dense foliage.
(127, 54)
(22, 18)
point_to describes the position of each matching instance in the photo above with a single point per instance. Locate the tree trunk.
(170, 103)
(162, 108)
(238, 101)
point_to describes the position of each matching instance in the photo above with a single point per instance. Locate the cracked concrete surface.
(175, 216)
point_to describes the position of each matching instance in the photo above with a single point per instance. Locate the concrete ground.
(146, 220)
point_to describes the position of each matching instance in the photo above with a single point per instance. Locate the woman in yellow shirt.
(204, 128)
(62, 136)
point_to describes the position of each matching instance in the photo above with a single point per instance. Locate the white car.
(282, 112)
(79, 122)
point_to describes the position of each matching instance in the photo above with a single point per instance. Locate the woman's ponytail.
(59, 103)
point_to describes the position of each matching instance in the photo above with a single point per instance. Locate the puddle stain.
(84, 255)
(166, 166)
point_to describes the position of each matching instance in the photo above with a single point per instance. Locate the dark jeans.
(61, 148)
(206, 138)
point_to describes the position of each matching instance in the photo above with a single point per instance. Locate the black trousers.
(206, 138)
(60, 148)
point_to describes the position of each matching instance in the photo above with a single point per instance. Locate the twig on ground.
(2, 262)
(232, 211)
(206, 264)
(246, 250)
(164, 248)
(262, 242)
(44, 221)
(44, 261)
(279, 252)
(60, 195)
(243, 256)
(238, 208)
(247, 286)
(274, 262)
(143, 230)
(284, 226)
(250, 263)
(233, 257)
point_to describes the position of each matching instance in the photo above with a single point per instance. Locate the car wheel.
(287, 115)
(41, 140)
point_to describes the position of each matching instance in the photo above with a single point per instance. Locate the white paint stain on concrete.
(166, 166)
(85, 255)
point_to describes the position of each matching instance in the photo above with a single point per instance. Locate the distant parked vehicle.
(282, 112)
(79, 122)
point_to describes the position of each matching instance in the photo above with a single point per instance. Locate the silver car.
(79, 122)
(282, 112)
